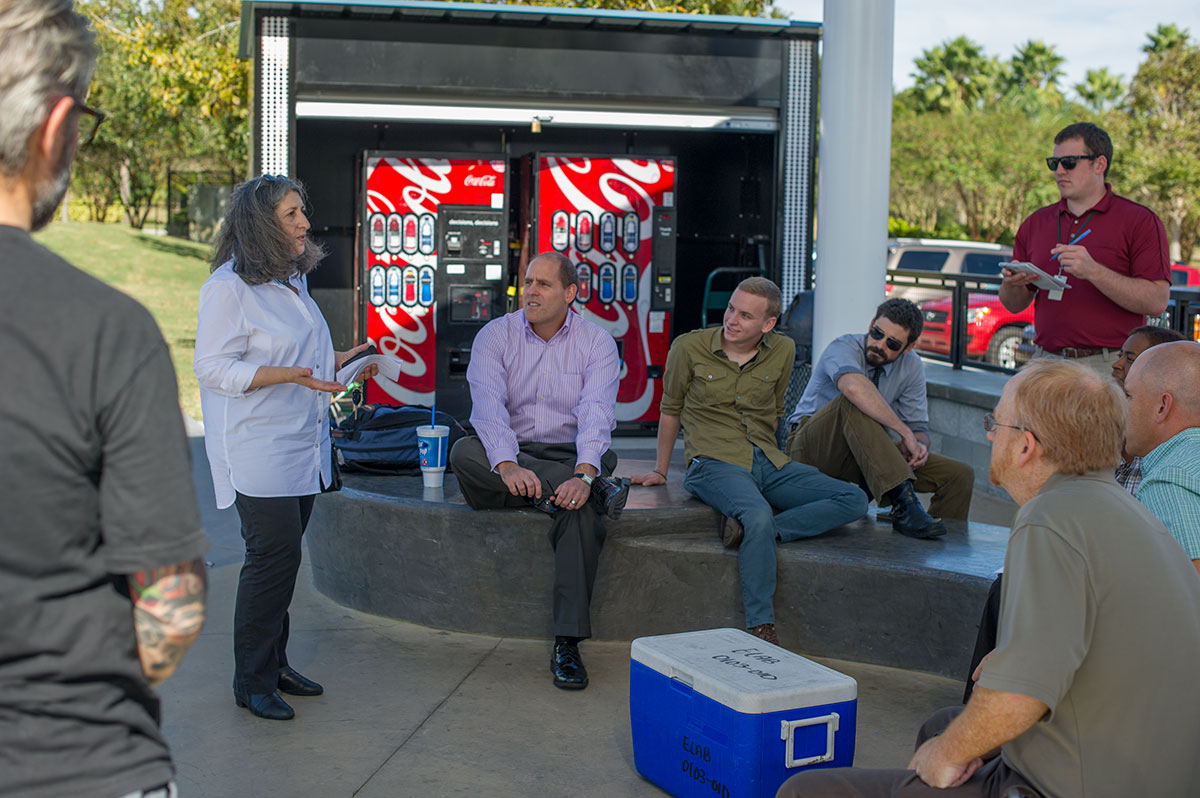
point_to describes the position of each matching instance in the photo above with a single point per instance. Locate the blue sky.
(1100, 33)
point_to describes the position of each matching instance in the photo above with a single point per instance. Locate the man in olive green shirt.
(726, 386)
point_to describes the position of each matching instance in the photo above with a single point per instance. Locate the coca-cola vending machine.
(434, 252)
(614, 218)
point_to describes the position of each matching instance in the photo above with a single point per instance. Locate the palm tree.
(1036, 66)
(954, 76)
(1100, 89)
(1164, 38)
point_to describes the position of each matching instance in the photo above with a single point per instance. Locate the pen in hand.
(1073, 241)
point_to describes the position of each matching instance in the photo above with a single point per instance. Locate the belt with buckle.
(1072, 352)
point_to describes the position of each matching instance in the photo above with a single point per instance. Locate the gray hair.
(46, 52)
(250, 234)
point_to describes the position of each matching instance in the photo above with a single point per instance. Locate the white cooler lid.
(740, 671)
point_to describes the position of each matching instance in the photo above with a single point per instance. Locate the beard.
(48, 195)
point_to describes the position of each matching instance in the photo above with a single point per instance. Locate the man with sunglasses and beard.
(1112, 252)
(862, 388)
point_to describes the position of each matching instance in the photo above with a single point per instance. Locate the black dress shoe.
(567, 665)
(609, 495)
(909, 517)
(266, 705)
(293, 683)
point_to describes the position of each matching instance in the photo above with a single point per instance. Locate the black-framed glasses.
(990, 423)
(892, 343)
(89, 122)
(1068, 161)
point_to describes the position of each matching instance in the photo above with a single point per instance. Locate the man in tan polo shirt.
(725, 385)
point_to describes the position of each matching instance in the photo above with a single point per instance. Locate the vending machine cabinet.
(614, 218)
(434, 261)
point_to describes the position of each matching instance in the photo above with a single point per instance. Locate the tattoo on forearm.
(168, 613)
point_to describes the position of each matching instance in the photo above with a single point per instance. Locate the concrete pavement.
(413, 711)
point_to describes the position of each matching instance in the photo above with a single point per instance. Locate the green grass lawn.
(164, 274)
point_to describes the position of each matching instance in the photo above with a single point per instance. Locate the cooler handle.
(788, 730)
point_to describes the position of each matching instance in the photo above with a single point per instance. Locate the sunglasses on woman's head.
(892, 343)
(262, 180)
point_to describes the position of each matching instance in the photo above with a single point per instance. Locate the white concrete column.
(854, 162)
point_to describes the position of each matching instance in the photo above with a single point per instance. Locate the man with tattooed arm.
(101, 585)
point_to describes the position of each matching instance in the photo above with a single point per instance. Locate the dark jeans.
(993, 780)
(577, 536)
(272, 528)
(808, 502)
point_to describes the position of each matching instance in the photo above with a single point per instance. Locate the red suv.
(993, 331)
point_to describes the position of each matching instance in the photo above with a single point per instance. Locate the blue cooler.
(722, 713)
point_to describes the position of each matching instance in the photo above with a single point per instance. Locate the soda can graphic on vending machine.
(630, 233)
(615, 207)
(393, 286)
(425, 242)
(585, 283)
(378, 277)
(584, 231)
(425, 296)
(410, 233)
(629, 281)
(376, 227)
(608, 231)
(393, 233)
(559, 231)
(608, 283)
(410, 286)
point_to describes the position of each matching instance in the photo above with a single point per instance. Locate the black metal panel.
(374, 59)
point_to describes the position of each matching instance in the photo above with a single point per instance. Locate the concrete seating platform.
(387, 546)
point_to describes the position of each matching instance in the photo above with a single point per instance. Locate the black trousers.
(989, 628)
(577, 536)
(272, 529)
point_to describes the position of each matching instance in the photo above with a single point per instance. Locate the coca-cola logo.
(484, 181)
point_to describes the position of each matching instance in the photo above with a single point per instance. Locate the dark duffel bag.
(383, 439)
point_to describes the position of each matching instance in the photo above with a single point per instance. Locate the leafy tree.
(171, 82)
(1162, 126)
(1100, 90)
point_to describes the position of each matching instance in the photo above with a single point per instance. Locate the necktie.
(876, 373)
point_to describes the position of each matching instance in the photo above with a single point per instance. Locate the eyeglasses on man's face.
(89, 122)
(892, 344)
(990, 423)
(1068, 161)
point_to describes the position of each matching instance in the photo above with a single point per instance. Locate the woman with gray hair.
(266, 366)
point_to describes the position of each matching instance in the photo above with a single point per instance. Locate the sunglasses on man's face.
(1068, 161)
(892, 344)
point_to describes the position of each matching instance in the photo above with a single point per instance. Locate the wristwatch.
(586, 479)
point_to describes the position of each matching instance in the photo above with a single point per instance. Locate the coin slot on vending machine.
(662, 271)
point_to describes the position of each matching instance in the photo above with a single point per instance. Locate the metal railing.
(1181, 314)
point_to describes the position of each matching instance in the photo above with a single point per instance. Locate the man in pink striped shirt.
(543, 394)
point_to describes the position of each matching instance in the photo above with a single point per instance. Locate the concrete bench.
(385, 545)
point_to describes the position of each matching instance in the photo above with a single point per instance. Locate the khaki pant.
(845, 443)
(1101, 363)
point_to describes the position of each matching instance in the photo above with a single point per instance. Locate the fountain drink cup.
(432, 442)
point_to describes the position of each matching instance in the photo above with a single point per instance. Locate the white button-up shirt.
(271, 441)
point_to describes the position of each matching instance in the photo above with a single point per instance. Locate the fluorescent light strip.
(307, 109)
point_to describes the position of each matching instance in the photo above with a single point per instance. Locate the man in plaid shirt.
(1163, 429)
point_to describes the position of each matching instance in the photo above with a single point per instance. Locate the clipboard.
(1047, 282)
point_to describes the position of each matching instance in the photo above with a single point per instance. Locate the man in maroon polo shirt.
(1118, 273)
